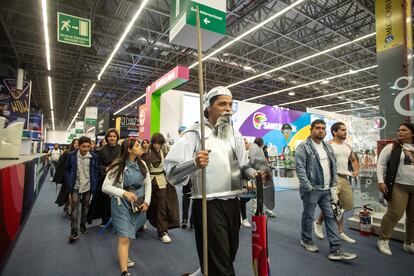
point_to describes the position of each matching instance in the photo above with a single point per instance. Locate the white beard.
(223, 127)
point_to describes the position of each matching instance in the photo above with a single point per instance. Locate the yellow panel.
(389, 24)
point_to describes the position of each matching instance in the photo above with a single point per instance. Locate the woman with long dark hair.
(128, 182)
(101, 203)
(395, 172)
(164, 211)
(145, 145)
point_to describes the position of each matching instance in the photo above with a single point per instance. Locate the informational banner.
(91, 115)
(73, 30)
(15, 104)
(390, 26)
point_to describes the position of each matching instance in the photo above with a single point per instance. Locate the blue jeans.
(323, 199)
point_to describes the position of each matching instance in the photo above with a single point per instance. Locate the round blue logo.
(389, 39)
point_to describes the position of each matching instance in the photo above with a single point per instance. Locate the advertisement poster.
(127, 125)
(14, 104)
(267, 122)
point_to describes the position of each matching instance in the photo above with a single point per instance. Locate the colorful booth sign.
(268, 123)
(172, 79)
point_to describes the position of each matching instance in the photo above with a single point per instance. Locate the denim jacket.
(309, 169)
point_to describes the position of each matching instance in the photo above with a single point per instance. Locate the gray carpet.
(42, 248)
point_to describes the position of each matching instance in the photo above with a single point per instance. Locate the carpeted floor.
(42, 248)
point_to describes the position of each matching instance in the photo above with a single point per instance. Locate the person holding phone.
(128, 183)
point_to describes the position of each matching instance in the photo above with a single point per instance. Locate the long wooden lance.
(203, 171)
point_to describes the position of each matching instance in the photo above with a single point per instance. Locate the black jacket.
(392, 168)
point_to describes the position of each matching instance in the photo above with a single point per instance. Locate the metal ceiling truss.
(146, 54)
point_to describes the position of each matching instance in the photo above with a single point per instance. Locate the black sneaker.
(73, 236)
(125, 273)
(184, 224)
(339, 254)
(309, 245)
(83, 228)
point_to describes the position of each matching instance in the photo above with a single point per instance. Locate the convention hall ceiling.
(146, 54)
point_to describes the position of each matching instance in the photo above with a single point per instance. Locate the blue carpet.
(42, 248)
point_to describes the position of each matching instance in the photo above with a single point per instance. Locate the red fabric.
(12, 179)
(259, 246)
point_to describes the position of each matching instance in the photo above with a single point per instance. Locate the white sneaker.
(245, 223)
(409, 247)
(318, 230)
(165, 238)
(145, 227)
(130, 263)
(384, 247)
(345, 238)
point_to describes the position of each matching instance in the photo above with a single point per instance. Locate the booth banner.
(16, 104)
(254, 120)
(127, 125)
(389, 24)
(91, 115)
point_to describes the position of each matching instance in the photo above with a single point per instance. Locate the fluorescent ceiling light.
(352, 109)
(46, 30)
(329, 95)
(247, 68)
(73, 120)
(292, 93)
(347, 102)
(53, 120)
(131, 103)
(301, 60)
(309, 83)
(325, 81)
(87, 96)
(249, 31)
(128, 28)
(49, 82)
(92, 128)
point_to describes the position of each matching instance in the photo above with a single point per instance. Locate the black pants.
(243, 211)
(223, 226)
(186, 207)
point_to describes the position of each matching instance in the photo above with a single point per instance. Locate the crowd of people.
(125, 183)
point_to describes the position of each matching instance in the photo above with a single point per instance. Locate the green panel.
(89, 121)
(155, 113)
(79, 131)
(73, 30)
(210, 19)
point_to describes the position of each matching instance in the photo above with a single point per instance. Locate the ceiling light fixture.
(131, 103)
(53, 120)
(46, 30)
(309, 83)
(352, 109)
(301, 60)
(247, 68)
(49, 82)
(329, 95)
(87, 96)
(128, 28)
(73, 120)
(347, 102)
(325, 81)
(273, 17)
(291, 93)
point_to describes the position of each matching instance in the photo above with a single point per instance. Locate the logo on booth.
(258, 119)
